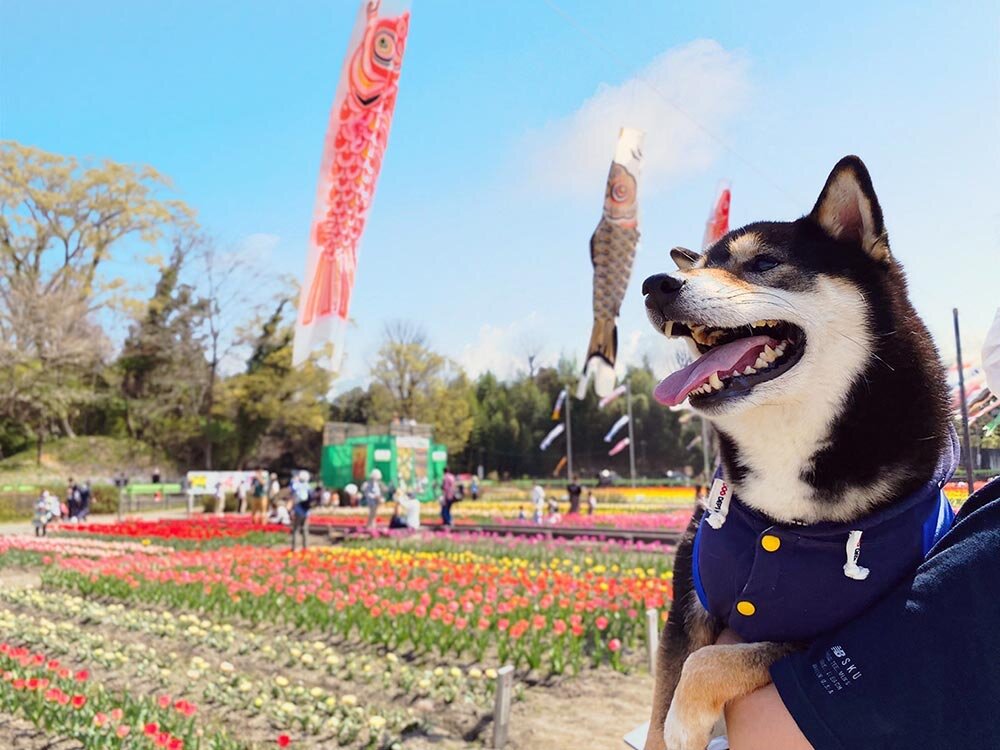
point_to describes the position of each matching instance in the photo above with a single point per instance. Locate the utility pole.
(706, 449)
(569, 435)
(969, 473)
(631, 433)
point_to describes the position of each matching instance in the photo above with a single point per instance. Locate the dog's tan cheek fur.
(724, 277)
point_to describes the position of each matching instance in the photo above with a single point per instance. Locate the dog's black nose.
(661, 289)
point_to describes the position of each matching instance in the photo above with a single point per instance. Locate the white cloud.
(503, 349)
(257, 247)
(707, 83)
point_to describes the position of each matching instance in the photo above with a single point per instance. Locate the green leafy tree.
(274, 405)
(163, 367)
(411, 381)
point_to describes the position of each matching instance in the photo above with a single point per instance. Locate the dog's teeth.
(780, 348)
(769, 354)
(714, 381)
(761, 363)
(749, 370)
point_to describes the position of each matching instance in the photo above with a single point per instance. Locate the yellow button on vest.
(745, 608)
(770, 542)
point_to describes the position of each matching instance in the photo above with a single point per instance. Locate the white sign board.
(203, 482)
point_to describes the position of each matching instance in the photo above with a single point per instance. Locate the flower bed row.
(201, 529)
(543, 616)
(78, 547)
(63, 700)
(281, 705)
(392, 676)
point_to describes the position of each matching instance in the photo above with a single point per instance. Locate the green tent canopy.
(402, 452)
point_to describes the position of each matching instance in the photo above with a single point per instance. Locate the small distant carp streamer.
(616, 427)
(352, 157)
(557, 409)
(551, 437)
(620, 446)
(717, 225)
(612, 251)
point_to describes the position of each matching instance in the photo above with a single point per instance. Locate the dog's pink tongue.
(736, 355)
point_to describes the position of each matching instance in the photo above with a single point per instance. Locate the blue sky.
(505, 125)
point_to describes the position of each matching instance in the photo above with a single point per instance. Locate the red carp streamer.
(352, 157)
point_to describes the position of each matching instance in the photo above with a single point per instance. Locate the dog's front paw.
(687, 730)
(692, 713)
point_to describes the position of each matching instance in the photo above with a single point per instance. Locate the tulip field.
(211, 634)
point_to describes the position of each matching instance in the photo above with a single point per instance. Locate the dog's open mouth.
(732, 361)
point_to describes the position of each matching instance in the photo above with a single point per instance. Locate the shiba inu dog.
(830, 405)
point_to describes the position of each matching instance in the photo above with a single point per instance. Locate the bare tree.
(532, 349)
(58, 223)
(238, 290)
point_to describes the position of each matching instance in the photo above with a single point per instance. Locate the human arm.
(887, 678)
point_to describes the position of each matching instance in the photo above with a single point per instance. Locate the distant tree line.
(500, 424)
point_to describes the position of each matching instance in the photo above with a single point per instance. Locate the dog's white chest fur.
(778, 440)
(785, 440)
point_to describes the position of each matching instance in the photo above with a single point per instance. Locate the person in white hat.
(371, 492)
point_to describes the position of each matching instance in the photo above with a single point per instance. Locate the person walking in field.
(83, 508)
(303, 499)
(447, 496)
(575, 492)
(371, 492)
(241, 496)
(538, 501)
(220, 499)
(258, 498)
(46, 509)
(273, 490)
(72, 499)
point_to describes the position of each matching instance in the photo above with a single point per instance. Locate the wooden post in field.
(652, 637)
(501, 709)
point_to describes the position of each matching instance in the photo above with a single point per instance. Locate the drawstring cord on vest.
(851, 567)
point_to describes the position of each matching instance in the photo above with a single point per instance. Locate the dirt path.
(20, 734)
(591, 711)
(15, 578)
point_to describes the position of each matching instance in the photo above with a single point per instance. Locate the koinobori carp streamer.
(612, 252)
(352, 157)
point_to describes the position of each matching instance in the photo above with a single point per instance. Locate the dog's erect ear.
(847, 209)
(684, 258)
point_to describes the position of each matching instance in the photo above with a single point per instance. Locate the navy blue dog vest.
(775, 582)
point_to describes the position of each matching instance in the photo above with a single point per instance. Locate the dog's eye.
(762, 263)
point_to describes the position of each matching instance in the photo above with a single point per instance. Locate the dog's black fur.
(895, 421)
